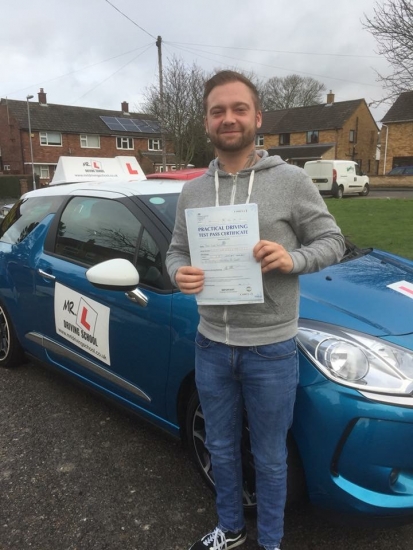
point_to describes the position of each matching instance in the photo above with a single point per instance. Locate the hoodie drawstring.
(250, 184)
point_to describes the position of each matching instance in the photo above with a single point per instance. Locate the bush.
(10, 186)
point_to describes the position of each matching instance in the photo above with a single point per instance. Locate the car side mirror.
(115, 274)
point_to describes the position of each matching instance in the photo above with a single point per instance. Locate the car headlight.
(357, 360)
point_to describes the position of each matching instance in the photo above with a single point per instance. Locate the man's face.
(232, 120)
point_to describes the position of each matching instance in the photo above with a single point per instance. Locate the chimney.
(125, 107)
(330, 98)
(42, 97)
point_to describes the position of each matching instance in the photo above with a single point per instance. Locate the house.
(332, 130)
(396, 136)
(64, 130)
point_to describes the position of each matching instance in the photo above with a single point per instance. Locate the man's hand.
(190, 280)
(272, 256)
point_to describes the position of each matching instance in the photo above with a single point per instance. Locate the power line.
(131, 20)
(110, 76)
(196, 52)
(177, 44)
(273, 51)
(42, 82)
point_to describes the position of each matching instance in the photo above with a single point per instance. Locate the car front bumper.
(358, 457)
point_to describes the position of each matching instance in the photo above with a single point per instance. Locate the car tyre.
(11, 353)
(339, 193)
(366, 190)
(195, 432)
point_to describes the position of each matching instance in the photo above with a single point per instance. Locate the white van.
(338, 177)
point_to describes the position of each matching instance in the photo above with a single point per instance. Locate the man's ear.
(259, 119)
(206, 124)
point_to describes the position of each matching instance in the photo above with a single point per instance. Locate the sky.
(98, 53)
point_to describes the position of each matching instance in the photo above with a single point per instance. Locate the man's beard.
(243, 140)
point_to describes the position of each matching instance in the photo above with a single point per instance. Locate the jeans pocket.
(202, 342)
(277, 351)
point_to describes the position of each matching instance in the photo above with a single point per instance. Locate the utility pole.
(163, 140)
(30, 139)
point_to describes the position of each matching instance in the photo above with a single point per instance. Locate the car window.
(25, 215)
(92, 230)
(163, 206)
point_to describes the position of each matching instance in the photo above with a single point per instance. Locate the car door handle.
(46, 275)
(138, 297)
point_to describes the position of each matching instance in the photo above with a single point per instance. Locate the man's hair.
(227, 77)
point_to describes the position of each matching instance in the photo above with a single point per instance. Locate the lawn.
(378, 223)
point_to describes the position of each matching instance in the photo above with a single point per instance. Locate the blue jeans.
(264, 380)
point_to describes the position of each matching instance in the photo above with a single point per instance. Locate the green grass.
(378, 223)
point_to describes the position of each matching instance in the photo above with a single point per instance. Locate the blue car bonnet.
(355, 294)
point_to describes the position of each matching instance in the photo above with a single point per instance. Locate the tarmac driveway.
(76, 473)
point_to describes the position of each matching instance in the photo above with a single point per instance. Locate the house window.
(51, 138)
(312, 136)
(284, 139)
(154, 144)
(124, 143)
(259, 140)
(42, 171)
(89, 141)
(352, 137)
(7, 167)
(402, 161)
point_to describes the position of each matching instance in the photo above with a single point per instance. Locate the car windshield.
(25, 215)
(163, 206)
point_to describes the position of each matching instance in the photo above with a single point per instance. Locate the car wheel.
(340, 192)
(366, 190)
(195, 431)
(11, 353)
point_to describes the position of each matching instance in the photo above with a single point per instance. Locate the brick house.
(64, 130)
(344, 130)
(396, 135)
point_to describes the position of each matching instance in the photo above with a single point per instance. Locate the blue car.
(84, 289)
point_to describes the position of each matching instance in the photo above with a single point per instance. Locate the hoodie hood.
(266, 161)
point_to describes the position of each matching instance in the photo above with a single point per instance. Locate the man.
(246, 355)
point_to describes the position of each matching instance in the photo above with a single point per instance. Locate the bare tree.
(392, 27)
(182, 113)
(290, 91)
(182, 116)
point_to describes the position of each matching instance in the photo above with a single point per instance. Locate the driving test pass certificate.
(221, 241)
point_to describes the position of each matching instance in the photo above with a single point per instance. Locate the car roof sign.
(80, 169)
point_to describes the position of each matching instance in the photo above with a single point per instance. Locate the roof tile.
(68, 119)
(324, 116)
(401, 110)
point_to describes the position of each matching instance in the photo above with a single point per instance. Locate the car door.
(359, 180)
(103, 336)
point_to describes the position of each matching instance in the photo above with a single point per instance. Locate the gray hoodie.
(292, 213)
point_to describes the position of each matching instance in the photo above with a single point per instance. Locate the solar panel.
(112, 123)
(131, 125)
